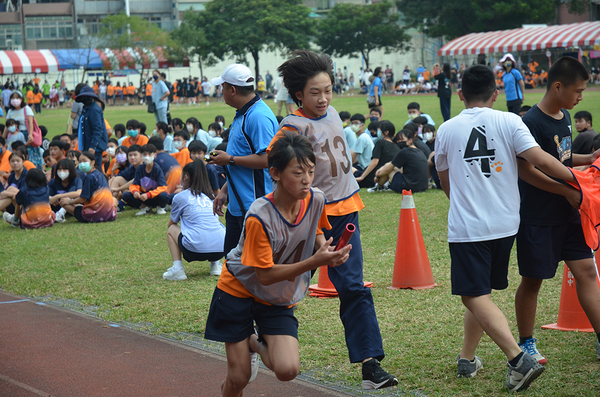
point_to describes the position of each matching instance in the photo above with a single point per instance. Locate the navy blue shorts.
(397, 182)
(478, 267)
(541, 248)
(191, 256)
(231, 319)
(77, 213)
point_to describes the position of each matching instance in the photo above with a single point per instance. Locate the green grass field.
(117, 269)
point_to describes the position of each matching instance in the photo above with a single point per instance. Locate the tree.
(452, 19)
(234, 28)
(192, 40)
(121, 32)
(349, 30)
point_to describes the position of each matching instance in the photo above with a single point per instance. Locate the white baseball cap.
(508, 56)
(235, 74)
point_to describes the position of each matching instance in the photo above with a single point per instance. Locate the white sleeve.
(521, 136)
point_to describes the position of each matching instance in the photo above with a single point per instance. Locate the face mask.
(85, 167)
(121, 158)
(221, 124)
(402, 144)
(428, 136)
(154, 133)
(212, 133)
(15, 102)
(110, 151)
(177, 144)
(379, 134)
(12, 128)
(508, 64)
(345, 124)
(63, 174)
(87, 101)
(374, 118)
(148, 159)
(355, 127)
(413, 116)
(1, 149)
(155, 77)
(132, 133)
(190, 128)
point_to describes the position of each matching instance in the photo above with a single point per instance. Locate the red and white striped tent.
(39, 61)
(525, 39)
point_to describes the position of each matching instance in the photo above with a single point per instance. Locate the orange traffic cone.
(411, 265)
(571, 316)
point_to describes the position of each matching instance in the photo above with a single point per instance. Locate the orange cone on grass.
(571, 316)
(411, 265)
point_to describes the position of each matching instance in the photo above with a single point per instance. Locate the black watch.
(232, 160)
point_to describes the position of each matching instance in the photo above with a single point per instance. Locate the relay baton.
(350, 228)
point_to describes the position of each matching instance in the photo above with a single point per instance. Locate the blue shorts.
(231, 319)
(397, 182)
(478, 267)
(541, 248)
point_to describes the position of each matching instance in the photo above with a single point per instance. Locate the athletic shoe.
(529, 347)
(143, 211)
(468, 369)
(598, 350)
(376, 378)
(60, 218)
(520, 377)
(386, 187)
(10, 218)
(174, 275)
(253, 366)
(215, 268)
(376, 188)
(160, 211)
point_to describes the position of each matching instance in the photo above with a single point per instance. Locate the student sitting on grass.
(201, 235)
(134, 135)
(180, 139)
(58, 150)
(149, 187)
(269, 271)
(198, 151)
(108, 157)
(408, 170)
(118, 164)
(32, 209)
(120, 183)
(66, 183)
(169, 166)
(162, 130)
(96, 203)
(20, 147)
(13, 135)
(16, 181)
(385, 150)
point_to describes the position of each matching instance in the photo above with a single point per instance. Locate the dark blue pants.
(234, 226)
(159, 201)
(445, 108)
(357, 312)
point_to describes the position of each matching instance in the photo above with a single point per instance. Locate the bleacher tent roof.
(525, 39)
(44, 61)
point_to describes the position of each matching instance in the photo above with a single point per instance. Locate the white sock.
(178, 265)
(61, 211)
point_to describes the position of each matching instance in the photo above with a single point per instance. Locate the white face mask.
(15, 102)
(428, 136)
(62, 174)
(355, 127)
(110, 151)
(190, 128)
(177, 144)
(148, 159)
(413, 116)
(221, 124)
(212, 133)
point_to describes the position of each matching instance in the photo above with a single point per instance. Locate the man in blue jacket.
(92, 130)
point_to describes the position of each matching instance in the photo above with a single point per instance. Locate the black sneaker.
(376, 378)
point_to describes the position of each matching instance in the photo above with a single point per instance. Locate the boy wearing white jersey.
(476, 156)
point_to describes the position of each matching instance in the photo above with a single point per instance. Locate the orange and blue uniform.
(99, 204)
(152, 183)
(36, 212)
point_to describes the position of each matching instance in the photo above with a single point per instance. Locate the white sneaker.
(160, 211)
(376, 188)
(174, 275)
(253, 366)
(60, 217)
(215, 268)
(10, 218)
(143, 211)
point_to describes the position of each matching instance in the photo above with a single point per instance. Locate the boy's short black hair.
(414, 105)
(344, 115)
(35, 178)
(182, 133)
(568, 71)
(420, 120)
(16, 144)
(584, 114)
(135, 148)
(302, 66)
(65, 134)
(46, 153)
(197, 146)
(113, 140)
(62, 145)
(280, 118)
(44, 130)
(525, 108)
(290, 146)
(373, 126)
(387, 126)
(478, 84)
(156, 142)
(148, 148)
(358, 116)
(133, 124)
(376, 110)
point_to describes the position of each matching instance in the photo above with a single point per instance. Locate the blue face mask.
(85, 167)
(379, 134)
(155, 77)
(12, 128)
(374, 118)
(132, 133)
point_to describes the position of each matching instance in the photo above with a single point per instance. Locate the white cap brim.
(217, 81)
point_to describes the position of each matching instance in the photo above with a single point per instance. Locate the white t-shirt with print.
(479, 148)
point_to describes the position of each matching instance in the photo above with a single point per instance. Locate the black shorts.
(478, 267)
(230, 318)
(191, 256)
(77, 212)
(397, 182)
(371, 106)
(541, 248)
